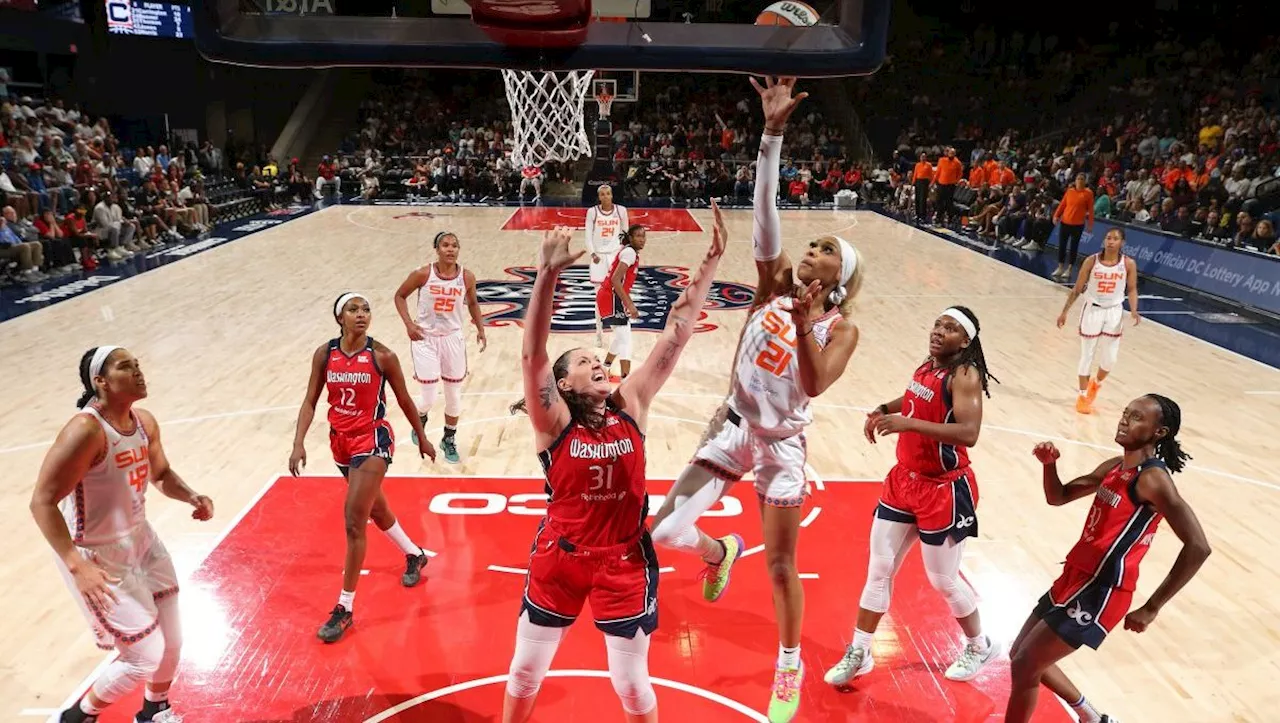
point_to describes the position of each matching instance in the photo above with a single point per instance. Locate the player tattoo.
(668, 356)
(547, 391)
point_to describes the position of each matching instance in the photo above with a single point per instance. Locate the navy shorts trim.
(1075, 622)
(545, 618)
(893, 514)
(964, 518)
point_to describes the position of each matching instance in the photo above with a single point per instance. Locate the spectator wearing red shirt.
(327, 174)
(798, 191)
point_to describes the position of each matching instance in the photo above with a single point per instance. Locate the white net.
(546, 114)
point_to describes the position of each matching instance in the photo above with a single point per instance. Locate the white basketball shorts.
(440, 357)
(1098, 321)
(600, 271)
(778, 464)
(145, 571)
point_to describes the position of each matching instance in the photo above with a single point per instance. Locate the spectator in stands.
(151, 211)
(48, 226)
(28, 255)
(327, 175)
(110, 224)
(144, 162)
(531, 177)
(299, 184)
(16, 195)
(193, 197)
(76, 229)
(368, 184)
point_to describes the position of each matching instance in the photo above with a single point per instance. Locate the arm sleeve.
(767, 231)
(623, 218)
(591, 230)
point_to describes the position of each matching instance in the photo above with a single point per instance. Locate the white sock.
(398, 536)
(153, 696)
(862, 639)
(982, 642)
(1085, 711)
(789, 657)
(88, 708)
(347, 599)
(711, 549)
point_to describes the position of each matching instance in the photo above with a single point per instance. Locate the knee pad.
(942, 566)
(171, 629)
(453, 399)
(137, 663)
(535, 647)
(629, 672)
(1109, 346)
(621, 344)
(1087, 348)
(427, 396)
(879, 586)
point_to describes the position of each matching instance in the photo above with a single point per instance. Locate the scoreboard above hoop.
(602, 9)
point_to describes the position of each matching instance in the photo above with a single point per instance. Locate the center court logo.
(655, 290)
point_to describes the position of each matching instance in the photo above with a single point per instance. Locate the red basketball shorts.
(940, 507)
(351, 449)
(620, 582)
(1080, 610)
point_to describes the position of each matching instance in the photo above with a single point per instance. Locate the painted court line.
(809, 518)
(511, 570)
(751, 551)
(492, 680)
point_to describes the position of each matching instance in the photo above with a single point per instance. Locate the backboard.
(716, 36)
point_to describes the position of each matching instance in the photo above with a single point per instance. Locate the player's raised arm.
(772, 264)
(638, 390)
(542, 400)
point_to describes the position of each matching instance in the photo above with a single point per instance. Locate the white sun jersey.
(766, 382)
(440, 303)
(109, 503)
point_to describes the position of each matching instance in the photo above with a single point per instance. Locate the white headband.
(99, 358)
(342, 301)
(965, 322)
(848, 264)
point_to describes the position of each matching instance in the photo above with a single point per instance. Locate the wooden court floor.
(225, 338)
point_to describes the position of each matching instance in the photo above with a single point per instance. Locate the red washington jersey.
(357, 397)
(596, 482)
(929, 399)
(1118, 531)
(607, 302)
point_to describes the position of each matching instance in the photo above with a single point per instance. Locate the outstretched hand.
(777, 100)
(555, 254)
(719, 234)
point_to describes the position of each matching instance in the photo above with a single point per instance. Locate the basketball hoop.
(604, 99)
(547, 115)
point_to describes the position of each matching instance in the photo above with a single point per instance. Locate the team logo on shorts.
(655, 290)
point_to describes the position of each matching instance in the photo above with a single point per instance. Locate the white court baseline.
(481, 682)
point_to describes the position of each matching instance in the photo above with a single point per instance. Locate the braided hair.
(581, 409)
(633, 229)
(86, 380)
(972, 355)
(1168, 449)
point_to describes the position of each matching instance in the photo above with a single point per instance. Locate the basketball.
(788, 13)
